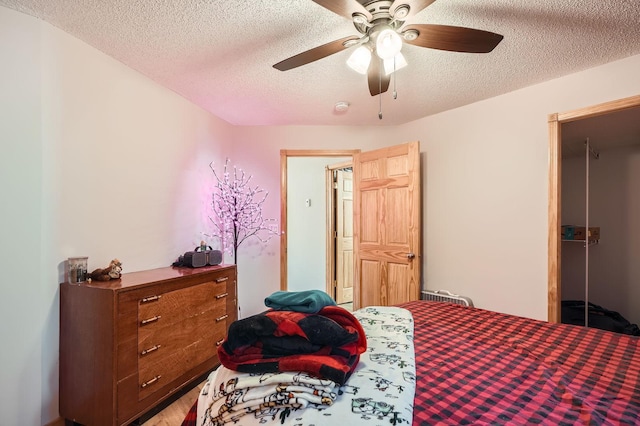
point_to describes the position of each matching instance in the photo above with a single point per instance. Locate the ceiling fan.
(383, 28)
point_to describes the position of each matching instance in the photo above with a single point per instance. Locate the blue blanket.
(308, 301)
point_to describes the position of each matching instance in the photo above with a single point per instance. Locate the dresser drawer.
(173, 306)
(163, 341)
(177, 330)
(154, 373)
(159, 316)
(158, 313)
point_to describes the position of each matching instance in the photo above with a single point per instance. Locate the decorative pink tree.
(237, 208)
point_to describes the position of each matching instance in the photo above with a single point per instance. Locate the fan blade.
(314, 54)
(344, 8)
(454, 39)
(378, 81)
(415, 6)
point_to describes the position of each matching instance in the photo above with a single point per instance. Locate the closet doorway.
(559, 124)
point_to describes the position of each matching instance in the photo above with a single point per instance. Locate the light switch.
(307, 202)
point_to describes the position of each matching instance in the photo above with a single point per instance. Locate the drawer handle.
(150, 299)
(220, 296)
(151, 349)
(150, 382)
(219, 342)
(150, 320)
(221, 279)
(222, 318)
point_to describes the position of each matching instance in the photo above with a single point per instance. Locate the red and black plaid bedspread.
(480, 367)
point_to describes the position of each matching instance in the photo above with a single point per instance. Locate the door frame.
(284, 155)
(555, 191)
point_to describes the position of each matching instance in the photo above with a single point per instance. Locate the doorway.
(555, 191)
(295, 215)
(386, 222)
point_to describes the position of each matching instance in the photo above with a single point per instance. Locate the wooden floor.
(174, 414)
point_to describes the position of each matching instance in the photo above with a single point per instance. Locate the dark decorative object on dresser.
(128, 345)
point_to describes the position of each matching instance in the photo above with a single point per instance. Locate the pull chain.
(395, 92)
(380, 92)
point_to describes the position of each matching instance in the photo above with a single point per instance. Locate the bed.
(474, 366)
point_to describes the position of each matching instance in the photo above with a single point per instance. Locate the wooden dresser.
(127, 345)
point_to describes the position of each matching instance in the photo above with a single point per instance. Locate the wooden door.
(344, 236)
(387, 225)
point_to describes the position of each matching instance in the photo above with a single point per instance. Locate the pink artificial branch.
(238, 214)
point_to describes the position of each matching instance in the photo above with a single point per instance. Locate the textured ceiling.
(219, 53)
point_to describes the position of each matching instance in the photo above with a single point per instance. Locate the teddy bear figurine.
(111, 272)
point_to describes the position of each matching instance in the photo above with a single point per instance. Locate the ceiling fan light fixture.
(410, 34)
(359, 60)
(388, 44)
(394, 64)
(401, 12)
(349, 43)
(360, 19)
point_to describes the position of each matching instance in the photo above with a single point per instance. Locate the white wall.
(306, 227)
(307, 223)
(614, 206)
(97, 161)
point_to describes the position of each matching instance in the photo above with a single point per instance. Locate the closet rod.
(591, 151)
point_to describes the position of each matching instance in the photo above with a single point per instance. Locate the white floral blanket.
(379, 392)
